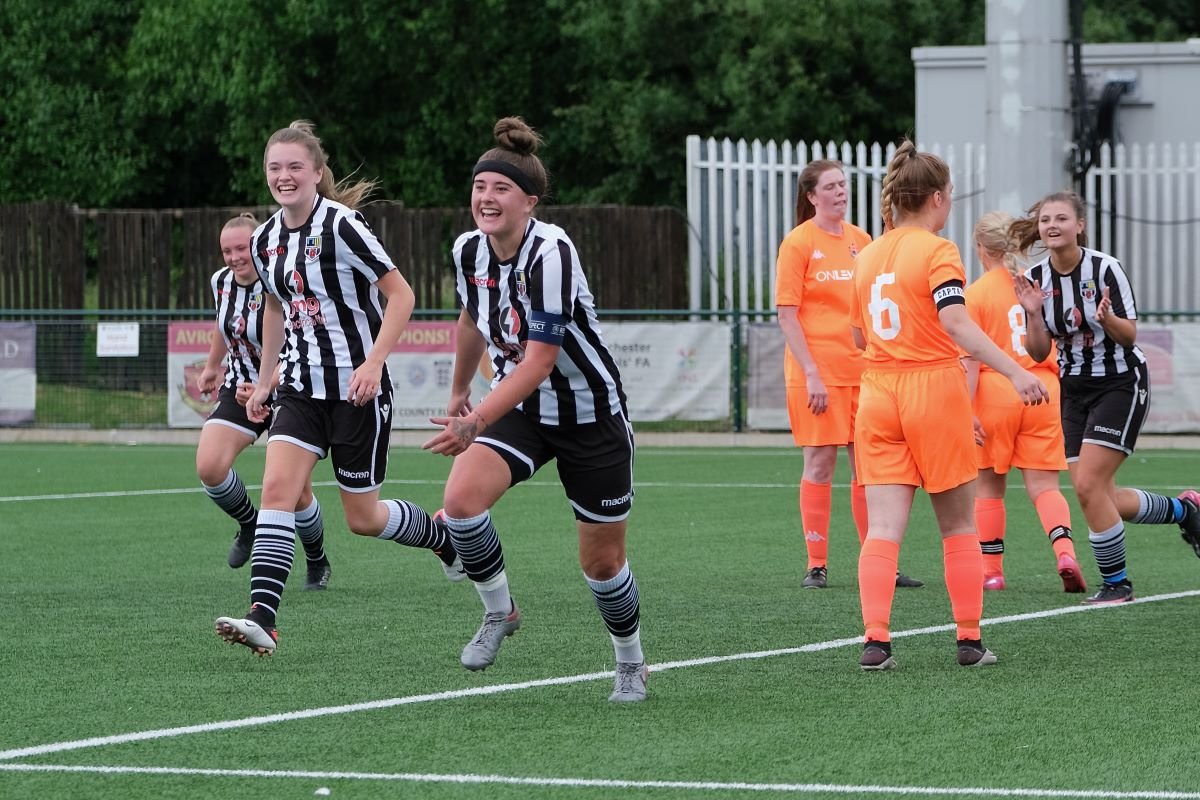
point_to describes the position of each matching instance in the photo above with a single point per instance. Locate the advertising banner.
(670, 370)
(18, 372)
(1172, 352)
(422, 366)
(766, 397)
(673, 370)
(187, 351)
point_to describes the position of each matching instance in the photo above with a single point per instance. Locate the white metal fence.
(1143, 208)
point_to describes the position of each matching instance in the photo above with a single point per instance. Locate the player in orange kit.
(914, 426)
(1029, 438)
(822, 366)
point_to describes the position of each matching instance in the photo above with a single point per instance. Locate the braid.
(885, 201)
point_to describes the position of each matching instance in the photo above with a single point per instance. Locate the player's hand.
(243, 392)
(456, 435)
(1104, 307)
(257, 409)
(460, 404)
(208, 380)
(1028, 295)
(364, 383)
(980, 433)
(818, 395)
(1031, 390)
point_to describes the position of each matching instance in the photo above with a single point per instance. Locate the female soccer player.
(914, 424)
(556, 395)
(821, 365)
(238, 294)
(324, 272)
(1081, 300)
(1014, 434)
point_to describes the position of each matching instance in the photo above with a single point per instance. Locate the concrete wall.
(952, 91)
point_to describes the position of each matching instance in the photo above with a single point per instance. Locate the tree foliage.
(143, 103)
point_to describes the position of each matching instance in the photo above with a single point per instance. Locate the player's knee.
(211, 471)
(460, 504)
(364, 519)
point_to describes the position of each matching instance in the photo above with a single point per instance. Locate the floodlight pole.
(1029, 121)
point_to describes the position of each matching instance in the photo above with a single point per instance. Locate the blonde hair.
(347, 193)
(912, 178)
(517, 145)
(1024, 231)
(807, 182)
(243, 220)
(992, 233)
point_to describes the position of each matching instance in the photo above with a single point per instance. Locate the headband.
(510, 171)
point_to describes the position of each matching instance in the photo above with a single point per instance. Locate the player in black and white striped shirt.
(238, 295)
(324, 273)
(556, 395)
(1082, 300)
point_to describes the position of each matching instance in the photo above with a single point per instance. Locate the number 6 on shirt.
(879, 304)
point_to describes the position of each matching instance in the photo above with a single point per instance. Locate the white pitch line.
(603, 783)
(423, 482)
(478, 691)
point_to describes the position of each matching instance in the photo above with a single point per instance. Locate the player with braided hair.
(914, 421)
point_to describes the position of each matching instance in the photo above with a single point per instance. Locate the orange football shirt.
(992, 303)
(815, 273)
(894, 305)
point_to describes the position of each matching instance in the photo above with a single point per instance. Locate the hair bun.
(512, 133)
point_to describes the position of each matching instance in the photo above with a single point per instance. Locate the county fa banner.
(187, 352)
(672, 370)
(422, 367)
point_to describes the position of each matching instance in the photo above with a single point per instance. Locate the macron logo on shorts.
(609, 502)
(1110, 431)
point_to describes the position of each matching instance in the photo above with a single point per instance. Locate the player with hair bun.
(556, 395)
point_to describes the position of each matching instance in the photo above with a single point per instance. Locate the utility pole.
(1028, 118)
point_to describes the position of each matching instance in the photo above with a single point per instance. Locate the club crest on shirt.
(255, 301)
(312, 248)
(853, 250)
(1087, 290)
(522, 286)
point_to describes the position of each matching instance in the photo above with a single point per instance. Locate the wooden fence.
(41, 256)
(635, 257)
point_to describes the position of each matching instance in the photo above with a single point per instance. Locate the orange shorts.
(1026, 437)
(914, 428)
(835, 426)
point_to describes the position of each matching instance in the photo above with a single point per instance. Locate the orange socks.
(815, 502)
(877, 585)
(858, 509)
(1055, 515)
(990, 521)
(964, 582)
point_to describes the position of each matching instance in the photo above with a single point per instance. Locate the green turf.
(108, 606)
